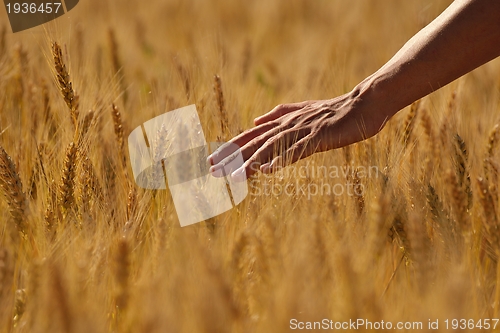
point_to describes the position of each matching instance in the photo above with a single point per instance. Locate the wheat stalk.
(13, 190)
(490, 222)
(427, 125)
(224, 122)
(432, 144)
(491, 171)
(410, 122)
(92, 180)
(458, 198)
(444, 129)
(67, 183)
(118, 127)
(119, 136)
(117, 64)
(397, 232)
(65, 84)
(491, 146)
(462, 159)
(486, 201)
(184, 76)
(34, 178)
(88, 121)
(131, 203)
(49, 220)
(493, 140)
(87, 185)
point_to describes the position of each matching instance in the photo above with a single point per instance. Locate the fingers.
(227, 165)
(246, 151)
(273, 146)
(279, 111)
(263, 124)
(241, 140)
(259, 144)
(303, 148)
(232, 151)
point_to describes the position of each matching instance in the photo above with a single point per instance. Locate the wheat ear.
(221, 105)
(131, 203)
(13, 189)
(397, 233)
(118, 126)
(458, 198)
(410, 121)
(493, 140)
(490, 150)
(65, 84)
(490, 221)
(67, 184)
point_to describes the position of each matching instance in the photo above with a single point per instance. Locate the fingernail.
(217, 167)
(216, 172)
(209, 159)
(239, 175)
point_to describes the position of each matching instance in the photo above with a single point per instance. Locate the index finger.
(239, 141)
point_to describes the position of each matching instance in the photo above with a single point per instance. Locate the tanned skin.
(465, 36)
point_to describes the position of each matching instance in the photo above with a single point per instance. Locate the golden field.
(83, 249)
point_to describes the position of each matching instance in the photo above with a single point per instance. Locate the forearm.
(465, 36)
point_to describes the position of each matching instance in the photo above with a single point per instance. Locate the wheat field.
(84, 249)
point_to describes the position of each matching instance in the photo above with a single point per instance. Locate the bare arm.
(465, 36)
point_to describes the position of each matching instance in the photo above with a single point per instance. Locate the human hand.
(291, 132)
(465, 36)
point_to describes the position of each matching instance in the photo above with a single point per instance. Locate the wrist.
(377, 101)
(393, 87)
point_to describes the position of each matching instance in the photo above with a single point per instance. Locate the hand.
(465, 36)
(291, 132)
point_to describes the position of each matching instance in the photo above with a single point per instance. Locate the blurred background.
(83, 249)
